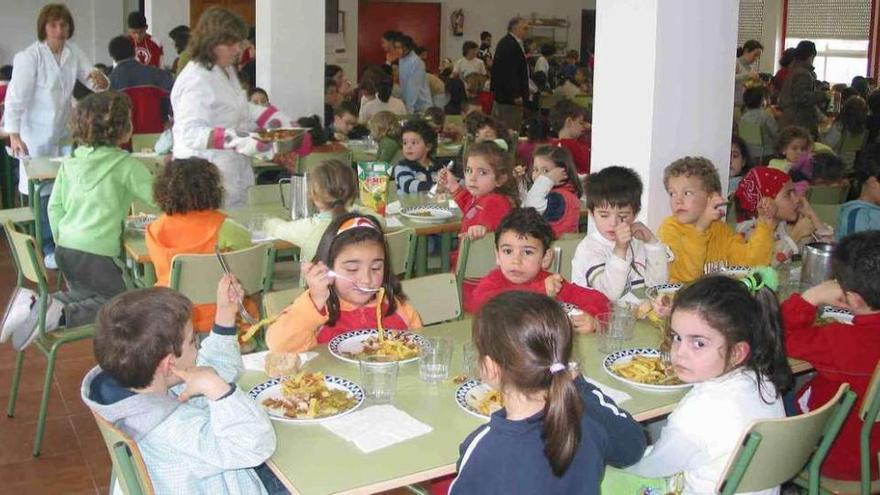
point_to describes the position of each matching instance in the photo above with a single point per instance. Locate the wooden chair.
(827, 213)
(827, 195)
(140, 142)
(402, 248)
(567, 244)
(435, 297)
(129, 468)
(29, 267)
(475, 259)
(275, 302)
(312, 160)
(268, 194)
(774, 451)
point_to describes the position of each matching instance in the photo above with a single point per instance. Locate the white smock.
(204, 99)
(40, 98)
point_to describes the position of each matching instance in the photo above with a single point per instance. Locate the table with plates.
(363, 150)
(310, 460)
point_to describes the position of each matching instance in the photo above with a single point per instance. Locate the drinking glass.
(379, 378)
(613, 330)
(434, 358)
(257, 226)
(469, 358)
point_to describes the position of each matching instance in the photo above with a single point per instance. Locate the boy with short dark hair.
(570, 121)
(840, 352)
(344, 120)
(147, 50)
(522, 252)
(695, 232)
(757, 116)
(620, 253)
(197, 432)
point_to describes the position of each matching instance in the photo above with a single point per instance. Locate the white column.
(290, 55)
(163, 16)
(771, 36)
(663, 88)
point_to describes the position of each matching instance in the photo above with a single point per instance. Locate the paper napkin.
(377, 427)
(257, 361)
(393, 222)
(617, 395)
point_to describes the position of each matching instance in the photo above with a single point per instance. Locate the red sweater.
(147, 52)
(580, 153)
(840, 354)
(565, 217)
(588, 300)
(487, 210)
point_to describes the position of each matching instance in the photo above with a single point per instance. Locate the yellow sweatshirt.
(693, 249)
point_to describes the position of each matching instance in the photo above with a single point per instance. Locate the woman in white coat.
(40, 96)
(212, 115)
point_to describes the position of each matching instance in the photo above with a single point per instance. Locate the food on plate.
(421, 213)
(280, 364)
(647, 369)
(277, 134)
(489, 403)
(395, 346)
(253, 329)
(306, 396)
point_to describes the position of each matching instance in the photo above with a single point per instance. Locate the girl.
(353, 247)
(258, 96)
(382, 102)
(794, 145)
(769, 191)
(739, 162)
(490, 129)
(851, 122)
(417, 172)
(556, 428)
(556, 190)
(863, 213)
(384, 129)
(726, 339)
(189, 193)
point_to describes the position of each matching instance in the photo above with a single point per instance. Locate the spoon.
(331, 273)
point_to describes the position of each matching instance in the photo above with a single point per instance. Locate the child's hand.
(553, 284)
(318, 281)
(201, 380)
(557, 175)
(641, 232)
(714, 211)
(229, 293)
(583, 323)
(623, 235)
(828, 292)
(519, 172)
(448, 181)
(767, 212)
(475, 232)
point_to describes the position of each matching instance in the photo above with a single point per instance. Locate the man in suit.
(510, 75)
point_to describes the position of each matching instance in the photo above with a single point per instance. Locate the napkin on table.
(617, 395)
(377, 427)
(257, 361)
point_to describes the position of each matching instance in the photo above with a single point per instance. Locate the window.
(751, 21)
(837, 61)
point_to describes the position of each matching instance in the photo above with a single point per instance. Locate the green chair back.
(852, 143)
(402, 248)
(24, 253)
(312, 160)
(774, 451)
(827, 213)
(567, 245)
(827, 195)
(869, 413)
(275, 302)
(196, 275)
(435, 297)
(128, 462)
(475, 258)
(584, 101)
(138, 207)
(268, 194)
(546, 102)
(140, 142)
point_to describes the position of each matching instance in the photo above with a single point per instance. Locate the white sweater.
(706, 427)
(595, 266)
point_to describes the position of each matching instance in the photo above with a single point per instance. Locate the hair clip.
(761, 277)
(557, 368)
(500, 143)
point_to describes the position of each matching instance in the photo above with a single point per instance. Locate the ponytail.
(383, 92)
(562, 421)
(767, 353)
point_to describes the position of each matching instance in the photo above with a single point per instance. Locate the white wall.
(349, 39)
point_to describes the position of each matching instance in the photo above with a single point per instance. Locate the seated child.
(556, 190)
(726, 340)
(385, 131)
(827, 170)
(522, 252)
(840, 353)
(258, 96)
(92, 196)
(795, 145)
(556, 431)
(345, 118)
(435, 118)
(490, 129)
(189, 191)
(620, 253)
(354, 248)
(197, 431)
(740, 163)
(473, 121)
(417, 172)
(696, 233)
(863, 213)
(850, 121)
(576, 83)
(569, 120)
(769, 192)
(758, 115)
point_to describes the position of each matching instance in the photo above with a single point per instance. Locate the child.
(435, 118)
(794, 145)
(469, 63)
(556, 190)
(556, 431)
(620, 253)
(258, 96)
(344, 120)
(383, 102)
(385, 130)
(522, 252)
(851, 121)
(695, 233)
(757, 115)
(197, 431)
(827, 170)
(576, 84)
(190, 193)
(490, 129)
(740, 162)
(417, 172)
(863, 213)
(726, 340)
(841, 353)
(474, 121)
(489, 192)
(773, 191)
(570, 123)
(92, 196)
(353, 247)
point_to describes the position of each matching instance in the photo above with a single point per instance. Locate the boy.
(344, 120)
(757, 116)
(620, 253)
(695, 233)
(863, 213)
(197, 431)
(522, 252)
(840, 352)
(147, 51)
(569, 120)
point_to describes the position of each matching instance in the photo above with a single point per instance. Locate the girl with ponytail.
(725, 337)
(556, 432)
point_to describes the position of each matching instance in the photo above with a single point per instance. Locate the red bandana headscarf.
(760, 182)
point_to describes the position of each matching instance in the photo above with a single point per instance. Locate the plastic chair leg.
(44, 401)
(421, 267)
(16, 379)
(445, 250)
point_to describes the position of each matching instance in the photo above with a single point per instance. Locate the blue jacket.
(856, 216)
(507, 457)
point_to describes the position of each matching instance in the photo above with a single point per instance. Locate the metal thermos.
(816, 266)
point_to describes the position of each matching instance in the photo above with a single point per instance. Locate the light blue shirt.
(856, 216)
(414, 83)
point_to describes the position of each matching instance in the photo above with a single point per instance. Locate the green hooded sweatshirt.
(92, 197)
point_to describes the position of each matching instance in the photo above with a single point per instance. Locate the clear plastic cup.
(434, 359)
(613, 330)
(469, 357)
(379, 379)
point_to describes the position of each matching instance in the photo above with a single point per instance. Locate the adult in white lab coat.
(40, 95)
(212, 115)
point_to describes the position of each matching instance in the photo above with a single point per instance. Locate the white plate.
(656, 290)
(839, 314)
(271, 389)
(626, 355)
(736, 271)
(353, 342)
(140, 222)
(570, 309)
(437, 214)
(469, 394)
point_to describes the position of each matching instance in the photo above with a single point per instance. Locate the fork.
(242, 311)
(331, 273)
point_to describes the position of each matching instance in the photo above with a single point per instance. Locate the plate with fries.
(307, 398)
(402, 347)
(644, 369)
(830, 314)
(427, 213)
(478, 398)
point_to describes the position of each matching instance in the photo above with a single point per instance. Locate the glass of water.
(469, 359)
(257, 227)
(434, 358)
(379, 379)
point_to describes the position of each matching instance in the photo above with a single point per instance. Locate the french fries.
(647, 370)
(489, 403)
(306, 396)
